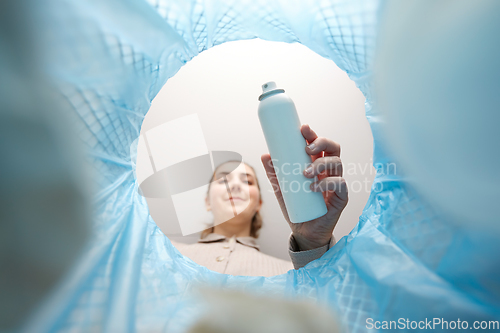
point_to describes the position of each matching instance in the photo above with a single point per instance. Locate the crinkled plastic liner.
(111, 59)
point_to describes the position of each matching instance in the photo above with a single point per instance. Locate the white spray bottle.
(281, 126)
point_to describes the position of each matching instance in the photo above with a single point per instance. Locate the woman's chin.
(243, 213)
(241, 206)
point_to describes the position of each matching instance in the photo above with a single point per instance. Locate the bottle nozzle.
(269, 88)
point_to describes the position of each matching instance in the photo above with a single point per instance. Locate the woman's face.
(234, 192)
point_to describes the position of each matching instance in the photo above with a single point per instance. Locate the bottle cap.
(270, 88)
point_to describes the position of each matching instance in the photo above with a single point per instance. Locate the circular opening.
(228, 121)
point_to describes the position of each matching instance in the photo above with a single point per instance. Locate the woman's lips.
(236, 199)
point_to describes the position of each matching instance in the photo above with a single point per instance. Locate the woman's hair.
(256, 220)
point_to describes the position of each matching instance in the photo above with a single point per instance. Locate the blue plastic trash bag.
(110, 58)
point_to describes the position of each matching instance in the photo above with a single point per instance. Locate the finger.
(329, 166)
(332, 184)
(271, 175)
(310, 136)
(308, 133)
(330, 147)
(335, 205)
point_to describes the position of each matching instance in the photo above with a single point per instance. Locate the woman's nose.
(235, 185)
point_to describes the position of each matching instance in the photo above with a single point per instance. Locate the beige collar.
(213, 237)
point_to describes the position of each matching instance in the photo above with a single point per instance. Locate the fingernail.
(309, 170)
(312, 146)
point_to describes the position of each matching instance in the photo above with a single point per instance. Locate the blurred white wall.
(222, 85)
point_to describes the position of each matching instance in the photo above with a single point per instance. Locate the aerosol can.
(281, 126)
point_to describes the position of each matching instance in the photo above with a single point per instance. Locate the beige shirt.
(241, 256)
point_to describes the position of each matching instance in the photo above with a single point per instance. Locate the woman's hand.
(328, 167)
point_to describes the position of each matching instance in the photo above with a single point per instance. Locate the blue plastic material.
(111, 58)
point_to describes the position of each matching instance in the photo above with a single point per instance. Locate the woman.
(234, 198)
